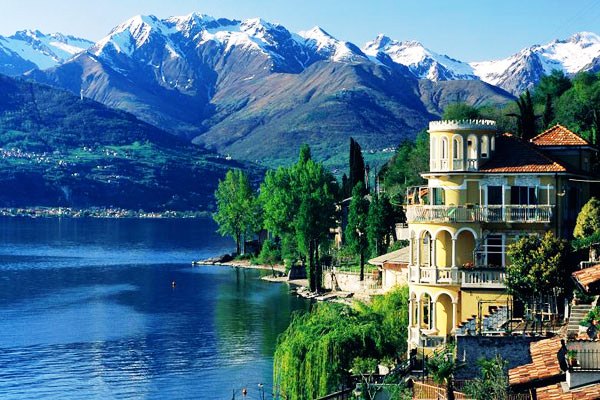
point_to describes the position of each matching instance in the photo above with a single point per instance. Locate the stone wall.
(350, 281)
(514, 349)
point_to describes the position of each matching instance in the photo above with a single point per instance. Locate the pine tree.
(356, 229)
(548, 116)
(357, 167)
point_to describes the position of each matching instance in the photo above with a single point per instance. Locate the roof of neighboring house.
(400, 256)
(557, 392)
(558, 135)
(544, 365)
(512, 155)
(588, 276)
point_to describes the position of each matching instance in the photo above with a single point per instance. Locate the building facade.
(483, 191)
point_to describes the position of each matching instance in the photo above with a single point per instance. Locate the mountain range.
(57, 149)
(256, 91)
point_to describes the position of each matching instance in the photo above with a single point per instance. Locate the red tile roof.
(555, 392)
(544, 365)
(559, 136)
(588, 276)
(512, 155)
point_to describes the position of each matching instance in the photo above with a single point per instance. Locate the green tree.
(270, 254)
(404, 168)
(356, 228)
(299, 207)
(548, 116)
(492, 384)
(380, 224)
(587, 228)
(357, 168)
(526, 118)
(238, 212)
(539, 267)
(553, 85)
(315, 353)
(442, 365)
(460, 111)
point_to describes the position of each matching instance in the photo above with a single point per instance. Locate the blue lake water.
(87, 310)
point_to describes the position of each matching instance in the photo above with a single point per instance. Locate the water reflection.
(73, 326)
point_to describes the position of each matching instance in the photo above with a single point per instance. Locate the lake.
(88, 310)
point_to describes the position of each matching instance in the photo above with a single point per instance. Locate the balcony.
(478, 278)
(483, 278)
(492, 213)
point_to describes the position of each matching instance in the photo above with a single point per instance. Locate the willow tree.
(315, 353)
(237, 209)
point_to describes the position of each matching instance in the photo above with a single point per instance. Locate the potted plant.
(572, 358)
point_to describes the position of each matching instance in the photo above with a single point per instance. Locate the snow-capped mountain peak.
(329, 47)
(422, 62)
(43, 50)
(523, 69)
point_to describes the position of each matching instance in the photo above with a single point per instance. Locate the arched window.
(426, 311)
(485, 148)
(433, 161)
(457, 148)
(444, 151)
(493, 141)
(472, 147)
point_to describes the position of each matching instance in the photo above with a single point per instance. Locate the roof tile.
(556, 392)
(544, 356)
(512, 155)
(588, 276)
(558, 135)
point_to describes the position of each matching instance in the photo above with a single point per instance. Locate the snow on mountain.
(331, 48)
(424, 63)
(43, 50)
(524, 69)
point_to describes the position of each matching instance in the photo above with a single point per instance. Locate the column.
(433, 315)
(454, 309)
(454, 252)
(433, 244)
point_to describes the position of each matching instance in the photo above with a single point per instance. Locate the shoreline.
(97, 212)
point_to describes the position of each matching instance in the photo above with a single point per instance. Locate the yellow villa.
(483, 190)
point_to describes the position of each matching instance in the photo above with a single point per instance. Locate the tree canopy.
(538, 267)
(587, 228)
(299, 207)
(460, 111)
(315, 353)
(238, 212)
(356, 229)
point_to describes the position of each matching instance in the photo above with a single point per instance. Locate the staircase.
(578, 313)
(491, 324)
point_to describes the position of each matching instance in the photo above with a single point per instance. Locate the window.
(457, 148)
(472, 147)
(438, 197)
(485, 147)
(523, 195)
(444, 149)
(494, 245)
(494, 195)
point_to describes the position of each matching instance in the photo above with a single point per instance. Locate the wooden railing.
(429, 390)
(493, 213)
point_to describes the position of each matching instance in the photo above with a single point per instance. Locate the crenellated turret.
(460, 145)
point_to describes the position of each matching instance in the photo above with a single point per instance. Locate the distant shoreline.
(96, 212)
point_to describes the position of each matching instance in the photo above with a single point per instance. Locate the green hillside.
(59, 150)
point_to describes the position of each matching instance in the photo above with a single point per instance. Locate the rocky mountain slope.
(27, 50)
(255, 90)
(59, 150)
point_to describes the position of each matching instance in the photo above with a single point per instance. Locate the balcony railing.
(445, 276)
(492, 213)
(483, 278)
(486, 278)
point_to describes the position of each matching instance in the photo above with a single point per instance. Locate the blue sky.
(470, 30)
